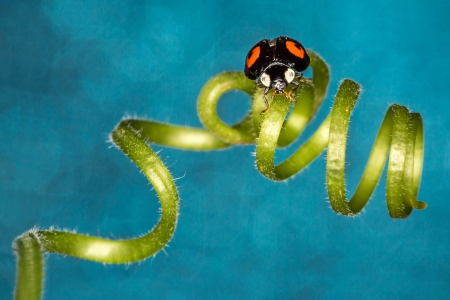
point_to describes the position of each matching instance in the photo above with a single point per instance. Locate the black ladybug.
(276, 63)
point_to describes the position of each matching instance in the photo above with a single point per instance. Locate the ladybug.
(274, 64)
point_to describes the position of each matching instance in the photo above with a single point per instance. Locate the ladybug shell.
(257, 59)
(292, 53)
(281, 50)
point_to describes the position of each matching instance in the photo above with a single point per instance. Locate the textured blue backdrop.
(70, 70)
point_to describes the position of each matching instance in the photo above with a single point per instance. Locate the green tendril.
(29, 246)
(400, 136)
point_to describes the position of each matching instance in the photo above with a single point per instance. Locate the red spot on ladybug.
(292, 47)
(253, 56)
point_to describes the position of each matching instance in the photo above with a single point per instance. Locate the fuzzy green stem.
(400, 136)
(126, 251)
(30, 266)
(28, 246)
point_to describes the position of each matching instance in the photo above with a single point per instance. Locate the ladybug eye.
(289, 75)
(265, 79)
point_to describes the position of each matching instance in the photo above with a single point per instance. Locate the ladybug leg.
(304, 79)
(266, 90)
(273, 94)
(288, 94)
(299, 77)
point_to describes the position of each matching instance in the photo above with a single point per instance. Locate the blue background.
(70, 70)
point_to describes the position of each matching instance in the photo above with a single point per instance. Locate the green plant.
(401, 133)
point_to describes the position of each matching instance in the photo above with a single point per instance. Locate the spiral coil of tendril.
(400, 136)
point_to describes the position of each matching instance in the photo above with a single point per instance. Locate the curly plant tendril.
(401, 133)
(400, 136)
(30, 245)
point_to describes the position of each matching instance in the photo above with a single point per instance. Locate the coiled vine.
(400, 136)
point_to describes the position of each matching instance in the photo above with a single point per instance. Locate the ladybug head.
(278, 84)
(277, 77)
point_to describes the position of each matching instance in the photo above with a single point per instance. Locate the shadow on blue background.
(70, 70)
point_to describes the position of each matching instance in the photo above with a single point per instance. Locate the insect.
(274, 64)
